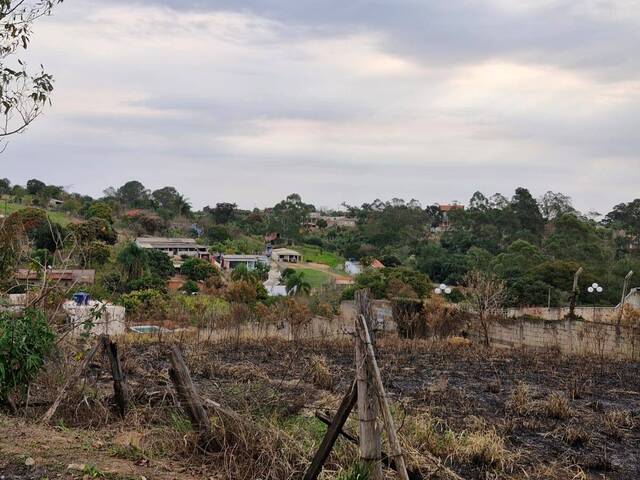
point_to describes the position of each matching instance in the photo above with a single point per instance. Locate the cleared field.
(54, 215)
(317, 255)
(316, 278)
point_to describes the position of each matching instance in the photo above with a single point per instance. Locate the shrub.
(198, 269)
(25, 340)
(190, 287)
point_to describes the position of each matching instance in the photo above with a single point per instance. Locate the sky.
(339, 101)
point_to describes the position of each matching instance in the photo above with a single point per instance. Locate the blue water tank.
(81, 298)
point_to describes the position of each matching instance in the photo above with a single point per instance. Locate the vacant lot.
(486, 414)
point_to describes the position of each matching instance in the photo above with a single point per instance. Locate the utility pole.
(624, 294)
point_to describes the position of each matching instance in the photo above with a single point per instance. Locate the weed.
(357, 471)
(557, 406)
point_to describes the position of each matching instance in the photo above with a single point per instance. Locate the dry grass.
(320, 373)
(616, 422)
(484, 448)
(557, 406)
(519, 400)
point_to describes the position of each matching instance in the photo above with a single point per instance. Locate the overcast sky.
(338, 100)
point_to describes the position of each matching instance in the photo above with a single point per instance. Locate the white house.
(229, 262)
(286, 255)
(352, 267)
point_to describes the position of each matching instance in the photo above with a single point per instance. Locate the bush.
(25, 340)
(147, 302)
(190, 287)
(197, 269)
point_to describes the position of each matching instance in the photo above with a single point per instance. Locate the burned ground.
(485, 413)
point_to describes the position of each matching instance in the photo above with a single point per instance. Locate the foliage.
(147, 302)
(148, 282)
(296, 284)
(132, 261)
(98, 253)
(190, 287)
(100, 210)
(25, 340)
(159, 264)
(198, 269)
(289, 215)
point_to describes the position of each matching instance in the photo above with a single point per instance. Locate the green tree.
(100, 210)
(25, 340)
(160, 264)
(296, 284)
(133, 194)
(132, 261)
(35, 186)
(198, 269)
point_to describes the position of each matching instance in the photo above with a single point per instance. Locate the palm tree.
(296, 283)
(133, 261)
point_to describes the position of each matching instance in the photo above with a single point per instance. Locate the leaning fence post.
(120, 388)
(370, 443)
(333, 430)
(189, 397)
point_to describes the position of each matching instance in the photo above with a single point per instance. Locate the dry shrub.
(630, 315)
(519, 399)
(616, 422)
(425, 433)
(557, 406)
(575, 435)
(320, 374)
(456, 341)
(483, 448)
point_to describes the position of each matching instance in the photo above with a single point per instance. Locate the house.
(354, 268)
(331, 221)
(229, 262)
(286, 255)
(175, 247)
(63, 277)
(445, 209)
(55, 203)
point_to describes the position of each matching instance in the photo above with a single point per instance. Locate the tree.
(223, 212)
(296, 284)
(100, 210)
(627, 217)
(35, 186)
(169, 199)
(133, 261)
(198, 269)
(553, 205)
(485, 296)
(160, 264)
(133, 194)
(527, 212)
(5, 186)
(479, 202)
(23, 95)
(289, 215)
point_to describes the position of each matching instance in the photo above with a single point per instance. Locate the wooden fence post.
(120, 388)
(70, 381)
(191, 401)
(370, 443)
(334, 429)
(394, 443)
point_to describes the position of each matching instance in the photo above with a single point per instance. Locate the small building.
(231, 261)
(95, 317)
(445, 209)
(286, 255)
(175, 247)
(353, 267)
(55, 203)
(64, 277)
(276, 290)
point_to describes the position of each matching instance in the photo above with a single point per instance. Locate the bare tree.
(486, 294)
(23, 94)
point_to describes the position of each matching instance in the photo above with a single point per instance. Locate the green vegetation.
(25, 340)
(311, 253)
(315, 278)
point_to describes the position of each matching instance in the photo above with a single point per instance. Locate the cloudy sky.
(337, 100)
